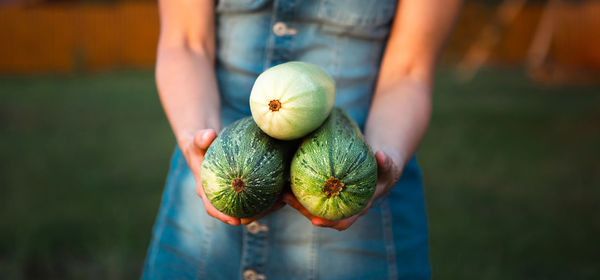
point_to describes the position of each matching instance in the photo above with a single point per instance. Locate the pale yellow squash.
(292, 99)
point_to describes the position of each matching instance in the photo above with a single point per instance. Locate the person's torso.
(345, 37)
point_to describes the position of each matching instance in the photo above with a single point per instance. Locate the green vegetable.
(292, 99)
(243, 170)
(334, 172)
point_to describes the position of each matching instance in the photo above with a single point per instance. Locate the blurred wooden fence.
(575, 39)
(577, 35)
(64, 38)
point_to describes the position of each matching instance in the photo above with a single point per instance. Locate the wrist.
(184, 139)
(393, 153)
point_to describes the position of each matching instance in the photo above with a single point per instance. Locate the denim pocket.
(357, 12)
(358, 18)
(240, 5)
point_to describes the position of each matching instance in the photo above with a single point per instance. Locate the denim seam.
(294, 20)
(388, 236)
(267, 221)
(243, 264)
(264, 238)
(270, 40)
(321, 11)
(313, 255)
(336, 67)
(201, 273)
(385, 11)
(162, 219)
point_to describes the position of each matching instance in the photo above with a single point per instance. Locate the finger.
(203, 138)
(291, 200)
(381, 158)
(367, 208)
(320, 222)
(384, 162)
(213, 212)
(275, 207)
(346, 223)
(200, 191)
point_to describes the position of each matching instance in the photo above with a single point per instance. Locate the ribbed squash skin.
(292, 99)
(336, 152)
(243, 151)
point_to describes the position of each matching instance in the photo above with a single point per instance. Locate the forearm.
(401, 106)
(185, 74)
(398, 119)
(188, 91)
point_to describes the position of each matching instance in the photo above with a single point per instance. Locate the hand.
(388, 173)
(194, 148)
(276, 206)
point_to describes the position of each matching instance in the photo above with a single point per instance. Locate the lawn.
(512, 177)
(511, 169)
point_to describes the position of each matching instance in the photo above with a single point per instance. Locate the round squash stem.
(333, 186)
(274, 105)
(238, 185)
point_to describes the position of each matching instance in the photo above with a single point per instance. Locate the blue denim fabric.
(389, 242)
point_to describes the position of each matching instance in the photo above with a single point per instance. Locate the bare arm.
(184, 69)
(401, 106)
(186, 82)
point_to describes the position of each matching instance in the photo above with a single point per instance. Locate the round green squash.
(334, 172)
(292, 99)
(243, 170)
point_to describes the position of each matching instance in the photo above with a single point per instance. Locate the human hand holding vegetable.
(388, 173)
(194, 149)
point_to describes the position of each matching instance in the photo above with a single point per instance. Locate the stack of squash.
(294, 131)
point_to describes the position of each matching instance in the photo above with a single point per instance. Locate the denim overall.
(347, 38)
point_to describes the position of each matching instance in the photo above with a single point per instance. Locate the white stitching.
(313, 254)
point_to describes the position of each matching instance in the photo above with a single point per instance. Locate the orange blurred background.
(69, 36)
(510, 160)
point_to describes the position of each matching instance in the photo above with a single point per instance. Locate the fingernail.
(316, 222)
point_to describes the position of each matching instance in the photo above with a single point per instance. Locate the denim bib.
(346, 38)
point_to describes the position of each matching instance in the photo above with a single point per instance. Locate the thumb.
(384, 162)
(204, 137)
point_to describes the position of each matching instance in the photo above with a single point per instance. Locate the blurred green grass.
(513, 179)
(84, 161)
(511, 169)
